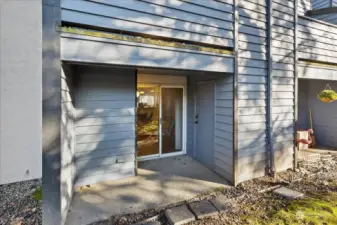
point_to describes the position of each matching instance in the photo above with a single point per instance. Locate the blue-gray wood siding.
(80, 48)
(303, 6)
(320, 4)
(316, 72)
(190, 115)
(252, 79)
(323, 114)
(328, 17)
(282, 81)
(317, 40)
(303, 105)
(68, 168)
(223, 133)
(209, 22)
(105, 124)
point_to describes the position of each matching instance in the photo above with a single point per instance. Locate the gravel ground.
(18, 206)
(254, 196)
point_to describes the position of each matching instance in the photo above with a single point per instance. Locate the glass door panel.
(148, 121)
(171, 119)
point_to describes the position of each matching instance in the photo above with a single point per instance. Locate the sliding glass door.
(160, 120)
(171, 140)
(148, 103)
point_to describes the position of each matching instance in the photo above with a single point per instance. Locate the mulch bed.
(18, 206)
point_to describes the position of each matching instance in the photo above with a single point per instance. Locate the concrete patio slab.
(203, 209)
(179, 215)
(288, 193)
(159, 183)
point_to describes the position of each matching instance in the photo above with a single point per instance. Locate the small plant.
(37, 195)
(327, 95)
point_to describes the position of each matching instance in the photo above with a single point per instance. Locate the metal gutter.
(270, 153)
(235, 94)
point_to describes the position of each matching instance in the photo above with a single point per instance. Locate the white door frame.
(184, 133)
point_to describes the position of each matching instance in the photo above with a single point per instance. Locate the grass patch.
(37, 195)
(316, 209)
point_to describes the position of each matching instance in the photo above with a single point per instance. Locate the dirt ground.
(253, 202)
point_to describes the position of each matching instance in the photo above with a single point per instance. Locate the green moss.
(37, 195)
(144, 40)
(318, 209)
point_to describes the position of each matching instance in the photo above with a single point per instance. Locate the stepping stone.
(179, 215)
(152, 223)
(221, 203)
(288, 193)
(203, 209)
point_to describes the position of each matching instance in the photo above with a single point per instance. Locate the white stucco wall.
(21, 90)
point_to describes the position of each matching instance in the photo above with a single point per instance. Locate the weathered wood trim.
(308, 62)
(235, 95)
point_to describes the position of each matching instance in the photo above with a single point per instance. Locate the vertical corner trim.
(296, 81)
(235, 95)
(270, 153)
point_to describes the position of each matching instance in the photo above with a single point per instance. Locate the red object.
(305, 141)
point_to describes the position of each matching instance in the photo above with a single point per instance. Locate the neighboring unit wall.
(208, 22)
(67, 137)
(317, 41)
(223, 133)
(20, 90)
(320, 4)
(283, 83)
(105, 101)
(328, 17)
(323, 114)
(302, 6)
(252, 80)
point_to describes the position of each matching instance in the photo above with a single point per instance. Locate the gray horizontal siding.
(223, 130)
(328, 17)
(79, 48)
(68, 170)
(320, 4)
(252, 79)
(317, 41)
(317, 72)
(105, 124)
(283, 80)
(305, 5)
(210, 23)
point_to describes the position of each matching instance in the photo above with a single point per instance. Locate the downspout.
(235, 94)
(296, 84)
(270, 153)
